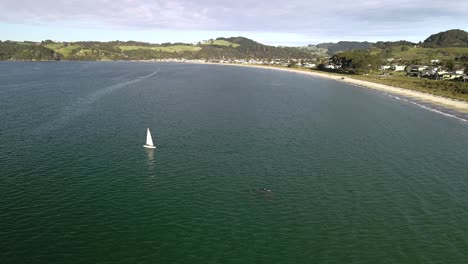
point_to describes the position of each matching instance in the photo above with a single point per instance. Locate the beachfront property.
(449, 76)
(398, 68)
(309, 65)
(393, 67)
(435, 72)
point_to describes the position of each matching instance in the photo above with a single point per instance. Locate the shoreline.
(453, 104)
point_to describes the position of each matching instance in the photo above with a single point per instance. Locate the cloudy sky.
(275, 22)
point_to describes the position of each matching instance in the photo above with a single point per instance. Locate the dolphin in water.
(262, 191)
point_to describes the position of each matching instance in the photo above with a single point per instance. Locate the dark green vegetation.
(392, 44)
(449, 38)
(333, 48)
(236, 47)
(345, 45)
(246, 48)
(356, 61)
(314, 50)
(26, 51)
(452, 38)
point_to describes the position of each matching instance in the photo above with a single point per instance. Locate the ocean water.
(356, 176)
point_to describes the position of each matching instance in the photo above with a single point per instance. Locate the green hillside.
(64, 49)
(449, 45)
(423, 55)
(25, 51)
(314, 50)
(172, 48)
(221, 42)
(450, 38)
(345, 46)
(234, 48)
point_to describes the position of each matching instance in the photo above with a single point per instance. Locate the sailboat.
(149, 140)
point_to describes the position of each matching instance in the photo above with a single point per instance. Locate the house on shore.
(449, 76)
(398, 68)
(415, 70)
(309, 65)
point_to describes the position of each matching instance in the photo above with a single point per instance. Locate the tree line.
(93, 50)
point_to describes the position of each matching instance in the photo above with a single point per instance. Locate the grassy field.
(221, 43)
(427, 54)
(25, 43)
(85, 52)
(66, 50)
(175, 48)
(321, 52)
(54, 46)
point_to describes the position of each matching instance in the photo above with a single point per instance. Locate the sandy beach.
(430, 98)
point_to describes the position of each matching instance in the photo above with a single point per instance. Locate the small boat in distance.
(149, 140)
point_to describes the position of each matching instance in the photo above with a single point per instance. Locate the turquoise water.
(356, 176)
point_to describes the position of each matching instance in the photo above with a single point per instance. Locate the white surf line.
(78, 107)
(427, 108)
(409, 101)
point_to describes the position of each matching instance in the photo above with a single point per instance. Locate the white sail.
(149, 140)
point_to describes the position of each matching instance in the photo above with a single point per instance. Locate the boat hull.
(148, 146)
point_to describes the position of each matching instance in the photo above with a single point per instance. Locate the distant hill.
(391, 44)
(240, 47)
(451, 44)
(241, 41)
(333, 48)
(345, 46)
(227, 48)
(450, 38)
(325, 45)
(314, 50)
(26, 51)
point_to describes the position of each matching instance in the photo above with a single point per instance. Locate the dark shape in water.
(262, 191)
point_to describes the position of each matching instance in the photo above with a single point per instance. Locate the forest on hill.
(449, 38)
(235, 47)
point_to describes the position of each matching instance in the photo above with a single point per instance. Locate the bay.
(356, 176)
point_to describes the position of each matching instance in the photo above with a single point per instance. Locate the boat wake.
(81, 105)
(111, 88)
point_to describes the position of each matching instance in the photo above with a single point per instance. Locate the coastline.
(416, 95)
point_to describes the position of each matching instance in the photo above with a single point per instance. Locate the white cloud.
(322, 19)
